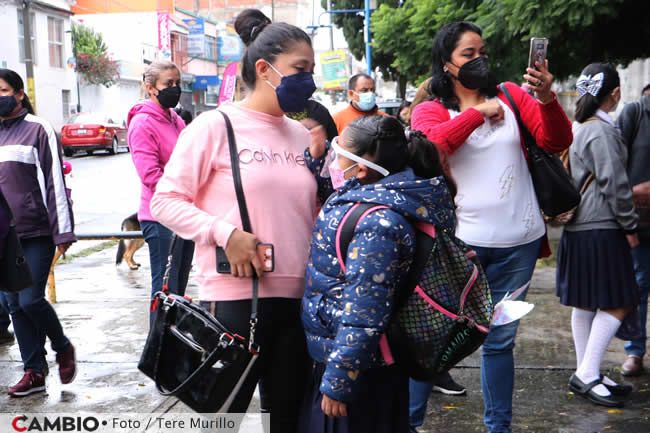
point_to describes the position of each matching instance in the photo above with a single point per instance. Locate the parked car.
(390, 106)
(87, 132)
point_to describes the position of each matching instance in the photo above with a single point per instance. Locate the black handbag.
(189, 353)
(15, 274)
(555, 190)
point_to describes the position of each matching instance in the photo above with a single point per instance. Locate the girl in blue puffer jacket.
(346, 312)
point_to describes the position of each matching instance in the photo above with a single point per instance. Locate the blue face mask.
(294, 90)
(367, 101)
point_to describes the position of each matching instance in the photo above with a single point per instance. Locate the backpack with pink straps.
(442, 311)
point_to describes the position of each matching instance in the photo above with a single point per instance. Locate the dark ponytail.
(588, 103)
(264, 40)
(383, 139)
(16, 83)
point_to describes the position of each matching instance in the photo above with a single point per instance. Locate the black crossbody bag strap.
(245, 219)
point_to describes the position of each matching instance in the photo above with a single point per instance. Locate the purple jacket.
(153, 132)
(4, 226)
(31, 178)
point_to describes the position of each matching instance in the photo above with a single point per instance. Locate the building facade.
(54, 78)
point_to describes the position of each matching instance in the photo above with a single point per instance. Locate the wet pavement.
(104, 312)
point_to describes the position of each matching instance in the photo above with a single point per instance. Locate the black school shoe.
(620, 389)
(586, 390)
(446, 385)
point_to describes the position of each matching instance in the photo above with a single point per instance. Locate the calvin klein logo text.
(248, 156)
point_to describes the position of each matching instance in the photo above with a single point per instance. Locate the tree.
(91, 56)
(352, 25)
(580, 32)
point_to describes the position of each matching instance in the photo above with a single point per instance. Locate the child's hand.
(333, 407)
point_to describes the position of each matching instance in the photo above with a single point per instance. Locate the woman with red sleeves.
(476, 131)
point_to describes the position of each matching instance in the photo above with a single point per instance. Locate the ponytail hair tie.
(256, 30)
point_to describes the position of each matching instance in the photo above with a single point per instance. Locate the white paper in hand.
(508, 310)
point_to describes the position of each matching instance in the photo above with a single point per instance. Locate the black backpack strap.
(424, 244)
(345, 232)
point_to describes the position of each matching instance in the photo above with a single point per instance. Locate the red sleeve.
(547, 122)
(433, 119)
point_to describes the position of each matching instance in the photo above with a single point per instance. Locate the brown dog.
(127, 247)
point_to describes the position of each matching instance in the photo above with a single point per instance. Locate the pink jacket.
(196, 197)
(153, 132)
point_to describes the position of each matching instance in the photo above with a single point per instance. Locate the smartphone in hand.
(265, 252)
(538, 51)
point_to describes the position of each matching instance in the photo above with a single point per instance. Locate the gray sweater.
(598, 148)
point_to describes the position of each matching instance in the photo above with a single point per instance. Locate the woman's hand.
(491, 110)
(333, 408)
(540, 80)
(633, 240)
(242, 253)
(318, 141)
(63, 248)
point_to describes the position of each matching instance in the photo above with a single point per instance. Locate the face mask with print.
(337, 174)
(7, 105)
(367, 101)
(169, 96)
(294, 90)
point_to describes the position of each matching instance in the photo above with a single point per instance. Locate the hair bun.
(249, 24)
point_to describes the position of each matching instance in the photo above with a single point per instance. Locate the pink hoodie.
(153, 132)
(196, 197)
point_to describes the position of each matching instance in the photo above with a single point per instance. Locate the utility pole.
(367, 35)
(273, 10)
(29, 59)
(329, 8)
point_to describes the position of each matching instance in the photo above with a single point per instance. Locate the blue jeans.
(641, 256)
(159, 238)
(5, 321)
(33, 317)
(507, 269)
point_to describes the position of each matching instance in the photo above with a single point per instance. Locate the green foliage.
(91, 54)
(580, 32)
(352, 25)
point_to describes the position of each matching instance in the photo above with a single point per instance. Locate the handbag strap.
(245, 219)
(205, 365)
(529, 140)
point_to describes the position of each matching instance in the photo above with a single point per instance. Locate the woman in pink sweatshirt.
(196, 198)
(154, 127)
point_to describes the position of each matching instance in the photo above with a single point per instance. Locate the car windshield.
(88, 118)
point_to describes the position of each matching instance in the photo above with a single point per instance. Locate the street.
(105, 190)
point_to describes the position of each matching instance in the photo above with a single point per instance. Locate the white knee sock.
(580, 328)
(603, 329)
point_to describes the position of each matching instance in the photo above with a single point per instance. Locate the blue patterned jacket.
(344, 315)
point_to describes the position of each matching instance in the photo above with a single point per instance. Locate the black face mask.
(475, 74)
(7, 105)
(169, 96)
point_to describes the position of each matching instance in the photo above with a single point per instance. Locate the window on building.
(21, 38)
(55, 41)
(65, 99)
(211, 96)
(210, 48)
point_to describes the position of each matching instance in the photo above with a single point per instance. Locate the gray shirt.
(598, 148)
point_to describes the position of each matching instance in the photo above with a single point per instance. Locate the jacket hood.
(154, 110)
(426, 200)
